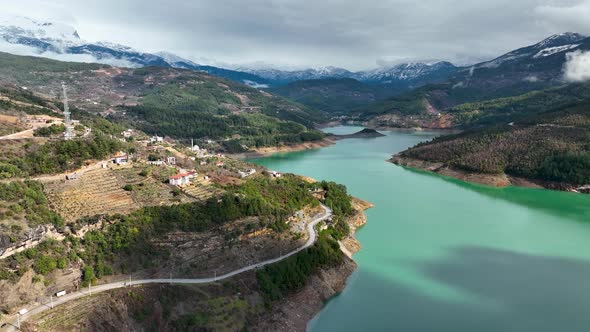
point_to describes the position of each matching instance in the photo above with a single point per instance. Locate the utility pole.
(69, 134)
(51, 300)
(18, 321)
(90, 288)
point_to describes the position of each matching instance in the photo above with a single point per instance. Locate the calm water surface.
(443, 255)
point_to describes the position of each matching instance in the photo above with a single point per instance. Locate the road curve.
(105, 287)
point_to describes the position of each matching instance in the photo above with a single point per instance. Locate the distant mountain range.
(401, 74)
(56, 40)
(530, 68)
(62, 42)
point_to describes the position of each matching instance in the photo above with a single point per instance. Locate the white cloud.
(569, 15)
(28, 50)
(296, 34)
(577, 66)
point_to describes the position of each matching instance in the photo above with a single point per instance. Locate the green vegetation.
(23, 100)
(97, 123)
(27, 199)
(570, 168)
(287, 276)
(332, 95)
(52, 130)
(129, 238)
(519, 108)
(550, 146)
(27, 68)
(202, 109)
(59, 156)
(410, 103)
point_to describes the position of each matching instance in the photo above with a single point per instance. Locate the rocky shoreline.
(267, 151)
(294, 312)
(495, 180)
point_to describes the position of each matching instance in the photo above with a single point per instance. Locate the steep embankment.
(293, 312)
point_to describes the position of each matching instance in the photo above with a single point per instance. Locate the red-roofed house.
(181, 179)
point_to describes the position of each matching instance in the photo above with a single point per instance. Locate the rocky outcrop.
(32, 238)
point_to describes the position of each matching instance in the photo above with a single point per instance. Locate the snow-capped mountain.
(556, 44)
(406, 72)
(34, 29)
(26, 36)
(278, 76)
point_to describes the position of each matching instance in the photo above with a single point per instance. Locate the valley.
(142, 190)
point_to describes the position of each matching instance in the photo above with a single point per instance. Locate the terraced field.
(201, 189)
(151, 188)
(97, 191)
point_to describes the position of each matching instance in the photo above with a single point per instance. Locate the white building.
(247, 173)
(156, 139)
(181, 179)
(121, 159)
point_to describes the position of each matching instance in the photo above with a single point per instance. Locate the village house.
(275, 174)
(171, 160)
(127, 133)
(156, 139)
(247, 173)
(121, 159)
(181, 179)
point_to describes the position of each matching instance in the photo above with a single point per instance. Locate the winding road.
(11, 325)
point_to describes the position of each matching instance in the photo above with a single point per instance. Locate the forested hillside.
(552, 146)
(167, 101)
(333, 95)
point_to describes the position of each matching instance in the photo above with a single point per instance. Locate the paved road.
(105, 287)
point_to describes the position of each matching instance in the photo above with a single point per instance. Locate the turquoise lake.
(439, 254)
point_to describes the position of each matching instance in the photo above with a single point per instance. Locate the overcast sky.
(354, 34)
